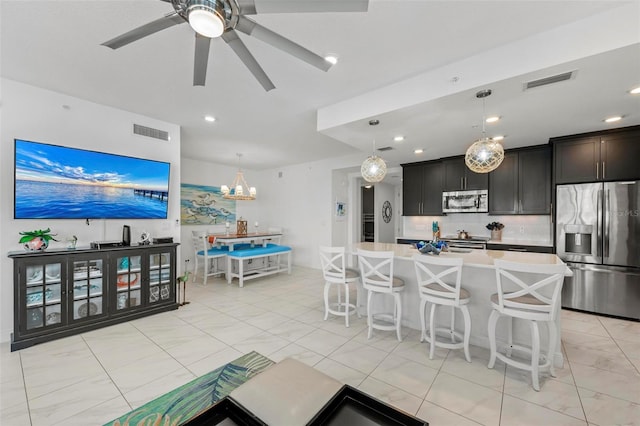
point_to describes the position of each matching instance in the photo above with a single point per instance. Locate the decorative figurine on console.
(145, 239)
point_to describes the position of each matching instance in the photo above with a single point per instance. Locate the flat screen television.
(57, 182)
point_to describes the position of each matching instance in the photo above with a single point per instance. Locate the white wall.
(38, 115)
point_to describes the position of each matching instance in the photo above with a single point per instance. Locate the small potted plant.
(36, 240)
(496, 230)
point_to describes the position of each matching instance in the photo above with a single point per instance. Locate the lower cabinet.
(59, 293)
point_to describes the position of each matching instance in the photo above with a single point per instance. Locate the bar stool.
(335, 273)
(376, 273)
(209, 256)
(439, 281)
(527, 302)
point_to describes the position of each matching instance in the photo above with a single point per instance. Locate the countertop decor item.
(496, 230)
(485, 154)
(36, 240)
(239, 190)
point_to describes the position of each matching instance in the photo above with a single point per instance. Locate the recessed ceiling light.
(492, 119)
(635, 91)
(418, 151)
(498, 138)
(210, 118)
(613, 119)
(332, 59)
(398, 138)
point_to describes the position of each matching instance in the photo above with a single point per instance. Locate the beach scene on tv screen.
(56, 182)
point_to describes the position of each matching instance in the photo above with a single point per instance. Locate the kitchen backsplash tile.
(533, 228)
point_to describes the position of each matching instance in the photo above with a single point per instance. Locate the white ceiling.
(397, 63)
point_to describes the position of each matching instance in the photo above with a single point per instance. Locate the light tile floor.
(94, 377)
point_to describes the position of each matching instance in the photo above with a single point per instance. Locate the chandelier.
(485, 154)
(239, 189)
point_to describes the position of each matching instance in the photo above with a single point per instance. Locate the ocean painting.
(55, 182)
(204, 205)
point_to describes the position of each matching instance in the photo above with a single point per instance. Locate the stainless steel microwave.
(465, 201)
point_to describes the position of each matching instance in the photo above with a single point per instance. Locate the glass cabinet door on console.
(41, 295)
(128, 283)
(161, 280)
(88, 284)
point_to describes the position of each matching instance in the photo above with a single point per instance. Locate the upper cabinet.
(458, 177)
(604, 156)
(522, 183)
(422, 189)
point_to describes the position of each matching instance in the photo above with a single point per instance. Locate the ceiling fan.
(221, 18)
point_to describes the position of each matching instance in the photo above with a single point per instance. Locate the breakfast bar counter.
(478, 277)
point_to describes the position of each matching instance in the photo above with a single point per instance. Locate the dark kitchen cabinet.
(458, 177)
(604, 156)
(422, 189)
(59, 293)
(522, 183)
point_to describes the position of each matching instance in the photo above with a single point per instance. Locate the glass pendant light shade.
(373, 169)
(484, 155)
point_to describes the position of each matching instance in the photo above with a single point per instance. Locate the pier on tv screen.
(57, 182)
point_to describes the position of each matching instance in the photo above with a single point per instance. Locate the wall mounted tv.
(57, 182)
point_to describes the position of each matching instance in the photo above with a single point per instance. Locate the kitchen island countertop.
(473, 258)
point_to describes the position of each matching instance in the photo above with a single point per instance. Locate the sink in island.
(479, 278)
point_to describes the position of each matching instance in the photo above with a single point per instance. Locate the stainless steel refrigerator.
(598, 236)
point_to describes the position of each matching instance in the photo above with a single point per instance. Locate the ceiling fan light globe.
(206, 21)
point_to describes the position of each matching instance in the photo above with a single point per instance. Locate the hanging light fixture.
(485, 154)
(373, 168)
(239, 189)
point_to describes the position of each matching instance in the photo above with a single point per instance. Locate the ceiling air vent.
(549, 80)
(150, 132)
(385, 148)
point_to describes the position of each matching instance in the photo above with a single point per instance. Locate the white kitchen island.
(479, 277)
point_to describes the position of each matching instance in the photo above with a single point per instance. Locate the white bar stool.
(534, 296)
(439, 283)
(376, 273)
(335, 273)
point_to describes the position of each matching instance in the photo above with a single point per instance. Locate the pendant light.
(239, 189)
(485, 154)
(373, 168)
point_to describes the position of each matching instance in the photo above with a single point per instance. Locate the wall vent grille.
(385, 148)
(150, 132)
(549, 80)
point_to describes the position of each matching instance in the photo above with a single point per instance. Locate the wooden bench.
(244, 252)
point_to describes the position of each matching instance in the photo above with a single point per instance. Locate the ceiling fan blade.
(256, 30)
(200, 60)
(253, 7)
(232, 39)
(145, 30)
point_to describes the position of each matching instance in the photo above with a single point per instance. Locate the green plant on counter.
(31, 235)
(495, 226)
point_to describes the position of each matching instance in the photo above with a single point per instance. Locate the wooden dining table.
(254, 238)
